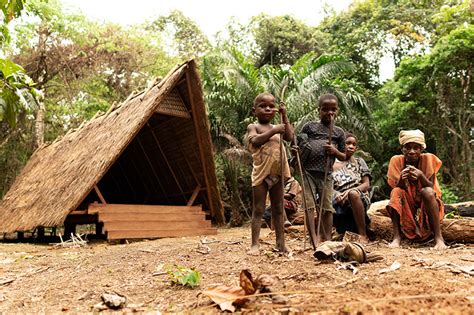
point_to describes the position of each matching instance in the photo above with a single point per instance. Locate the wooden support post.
(196, 130)
(188, 192)
(194, 195)
(97, 191)
(204, 142)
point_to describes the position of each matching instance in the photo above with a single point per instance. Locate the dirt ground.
(50, 279)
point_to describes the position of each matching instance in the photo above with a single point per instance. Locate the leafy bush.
(448, 195)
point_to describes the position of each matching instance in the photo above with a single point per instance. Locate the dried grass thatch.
(145, 150)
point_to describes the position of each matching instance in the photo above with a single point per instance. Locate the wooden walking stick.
(326, 171)
(308, 215)
(282, 162)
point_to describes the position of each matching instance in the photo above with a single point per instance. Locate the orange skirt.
(414, 222)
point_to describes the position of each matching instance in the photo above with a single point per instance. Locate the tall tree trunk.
(465, 125)
(39, 125)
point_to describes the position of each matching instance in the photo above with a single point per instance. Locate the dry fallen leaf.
(247, 283)
(226, 297)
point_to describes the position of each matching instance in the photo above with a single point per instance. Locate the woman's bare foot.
(254, 250)
(395, 243)
(439, 244)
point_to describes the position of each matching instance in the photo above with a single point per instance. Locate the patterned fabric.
(408, 203)
(344, 217)
(314, 136)
(345, 178)
(267, 162)
(350, 175)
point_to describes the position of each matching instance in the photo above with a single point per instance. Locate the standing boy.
(415, 203)
(318, 153)
(267, 154)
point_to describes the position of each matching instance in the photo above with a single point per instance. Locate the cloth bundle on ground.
(344, 251)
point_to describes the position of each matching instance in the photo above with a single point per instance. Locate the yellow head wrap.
(416, 136)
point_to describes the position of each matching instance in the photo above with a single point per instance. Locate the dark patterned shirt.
(311, 141)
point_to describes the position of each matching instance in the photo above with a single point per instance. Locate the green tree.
(17, 90)
(284, 39)
(434, 93)
(80, 67)
(187, 38)
(371, 30)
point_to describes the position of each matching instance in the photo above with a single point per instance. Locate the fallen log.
(464, 209)
(453, 230)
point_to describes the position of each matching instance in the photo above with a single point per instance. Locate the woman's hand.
(405, 173)
(414, 173)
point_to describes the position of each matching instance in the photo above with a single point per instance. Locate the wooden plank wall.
(123, 221)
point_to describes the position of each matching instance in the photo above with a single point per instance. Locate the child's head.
(328, 107)
(264, 107)
(412, 144)
(351, 144)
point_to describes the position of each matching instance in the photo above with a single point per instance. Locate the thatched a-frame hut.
(144, 169)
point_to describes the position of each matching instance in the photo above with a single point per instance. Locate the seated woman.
(415, 204)
(351, 198)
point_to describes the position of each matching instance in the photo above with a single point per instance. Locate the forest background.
(58, 69)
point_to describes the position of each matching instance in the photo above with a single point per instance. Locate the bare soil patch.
(47, 279)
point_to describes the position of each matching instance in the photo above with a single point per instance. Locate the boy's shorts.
(313, 186)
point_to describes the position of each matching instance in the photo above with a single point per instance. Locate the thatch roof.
(147, 150)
